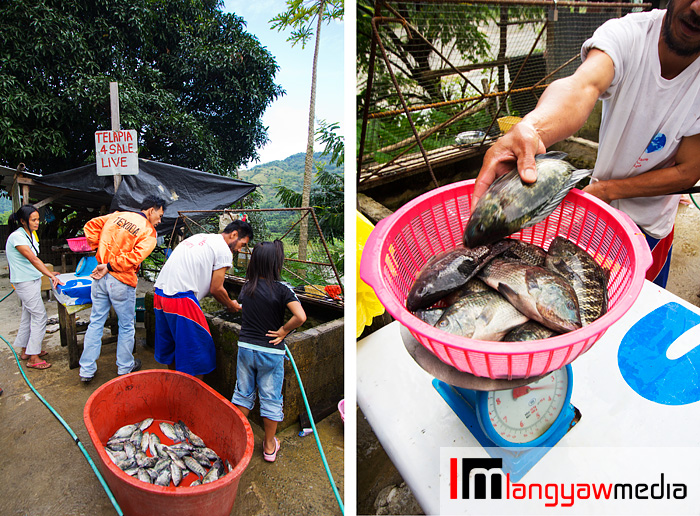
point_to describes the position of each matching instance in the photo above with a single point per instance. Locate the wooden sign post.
(116, 124)
(116, 151)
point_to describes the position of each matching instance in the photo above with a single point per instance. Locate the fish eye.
(570, 305)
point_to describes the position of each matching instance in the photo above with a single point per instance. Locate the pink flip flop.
(270, 457)
(39, 365)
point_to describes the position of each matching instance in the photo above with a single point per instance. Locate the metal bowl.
(468, 137)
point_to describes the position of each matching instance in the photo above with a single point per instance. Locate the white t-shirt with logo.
(189, 267)
(644, 115)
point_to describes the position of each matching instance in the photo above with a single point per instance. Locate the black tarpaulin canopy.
(184, 189)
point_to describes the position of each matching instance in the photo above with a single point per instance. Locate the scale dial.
(523, 416)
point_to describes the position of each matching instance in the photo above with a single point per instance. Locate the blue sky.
(287, 119)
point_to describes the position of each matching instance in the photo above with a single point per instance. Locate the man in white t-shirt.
(644, 68)
(195, 269)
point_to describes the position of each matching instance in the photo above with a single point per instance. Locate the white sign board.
(116, 152)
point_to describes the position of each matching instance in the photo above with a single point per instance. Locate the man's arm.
(220, 293)
(561, 111)
(684, 174)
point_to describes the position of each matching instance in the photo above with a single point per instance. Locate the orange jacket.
(123, 240)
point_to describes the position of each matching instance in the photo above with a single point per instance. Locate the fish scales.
(448, 271)
(527, 252)
(589, 280)
(211, 454)
(177, 460)
(201, 458)
(470, 287)
(136, 438)
(143, 425)
(175, 474)
(130, 449)
(124, 432)
(143, 476)
(145, 441)
(535, 291)
(180, 430)
(531, 330)
(194, 466)
(482, 315)
(170, 432)
(153, 442)
(510, 205)
(163, 478)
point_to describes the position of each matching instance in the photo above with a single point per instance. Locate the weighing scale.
(518, 421)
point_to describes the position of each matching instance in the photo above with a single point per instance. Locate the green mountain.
(288, 172)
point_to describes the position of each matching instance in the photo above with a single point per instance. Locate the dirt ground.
(45, 473)
(684, 279)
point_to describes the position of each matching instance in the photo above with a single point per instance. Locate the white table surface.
(413, 422)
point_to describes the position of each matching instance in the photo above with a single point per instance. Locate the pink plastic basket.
(78, 245)
(401, 244)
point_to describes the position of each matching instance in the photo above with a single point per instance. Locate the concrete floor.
(45, 473)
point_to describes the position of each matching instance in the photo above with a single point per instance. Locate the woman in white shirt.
(26, 269)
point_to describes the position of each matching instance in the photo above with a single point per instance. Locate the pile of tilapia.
(142, 455)
(510, 290)
(495, 288)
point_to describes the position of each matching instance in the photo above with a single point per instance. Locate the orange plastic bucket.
(171, 396)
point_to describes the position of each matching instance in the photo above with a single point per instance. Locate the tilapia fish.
(590, 280)
(510, 205)
(166, 464)
(535, 291)
(483, 315)
(447, 271)
(531, 330)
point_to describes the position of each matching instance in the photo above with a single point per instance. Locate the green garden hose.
(65, 425)
(693, 199)
(313, 426)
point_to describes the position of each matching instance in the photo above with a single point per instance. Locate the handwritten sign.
(116, 152)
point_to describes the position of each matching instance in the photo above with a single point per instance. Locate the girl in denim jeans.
(261, 342)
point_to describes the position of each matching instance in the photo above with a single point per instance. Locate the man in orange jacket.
(123, 240)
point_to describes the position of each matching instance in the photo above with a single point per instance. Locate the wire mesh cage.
(438, 79)
(311, 265)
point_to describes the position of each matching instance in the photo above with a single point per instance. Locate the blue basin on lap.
(86, 265)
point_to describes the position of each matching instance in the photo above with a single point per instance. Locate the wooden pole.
(116, 125)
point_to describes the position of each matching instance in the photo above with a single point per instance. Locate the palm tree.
(301, 18)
